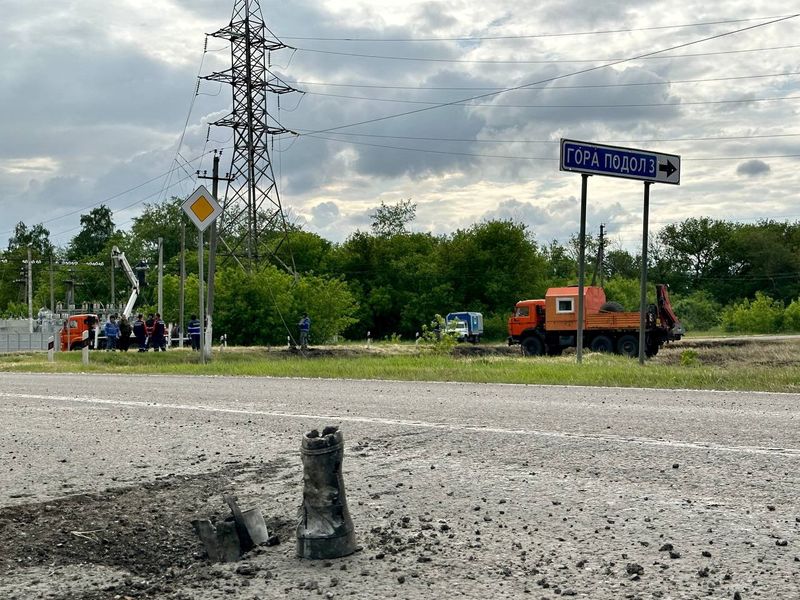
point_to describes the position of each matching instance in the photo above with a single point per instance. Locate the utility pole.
(598, 263)
(52, 291)
(161, 277)
(212, 243)
(30, 291)
(201, 292)
(182, 292)
(252, 205)
(113, 294)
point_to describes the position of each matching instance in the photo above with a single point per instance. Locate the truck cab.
(526, 325)
(72, 332)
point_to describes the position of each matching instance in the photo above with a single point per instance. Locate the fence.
(17, 341)
(15, 335)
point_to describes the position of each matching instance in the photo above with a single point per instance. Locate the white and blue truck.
(467, 326)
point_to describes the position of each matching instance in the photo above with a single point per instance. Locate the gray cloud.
(323, 213)
(556, 219)
(96, 101)
(753, 168)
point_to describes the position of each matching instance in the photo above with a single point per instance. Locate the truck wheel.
(602, 343)
(532, 346)
(651, 350)
(628, 346)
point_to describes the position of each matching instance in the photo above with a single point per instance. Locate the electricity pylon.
(252, 204)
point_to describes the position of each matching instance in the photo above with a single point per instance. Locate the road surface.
(480, 490)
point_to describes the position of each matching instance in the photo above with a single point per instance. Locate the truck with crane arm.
(549, 325)
(72, 332)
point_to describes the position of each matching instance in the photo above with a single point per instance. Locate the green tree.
(791, 316)
(491, 266)
(561, 267)
(37, 237)
(699, 250)
(162, 220)
(621, 263)
(303, 251)
(97, 229)
(762, 315)
(766, 258)
(264, 307)
(395, 279)
(393, 220)
(14, 267)
(625, 290)
(698, 311)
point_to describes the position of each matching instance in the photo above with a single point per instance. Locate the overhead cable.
(548, 61)
(555, 77)
(548, 87)
(531, 36)
(632, 105)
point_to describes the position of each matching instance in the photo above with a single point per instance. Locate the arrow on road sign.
(668, 168)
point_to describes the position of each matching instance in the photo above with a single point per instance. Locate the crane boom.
(119, 258)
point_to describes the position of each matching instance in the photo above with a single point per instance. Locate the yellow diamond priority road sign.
(202, 208)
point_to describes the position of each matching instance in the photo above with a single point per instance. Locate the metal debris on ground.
(240, 533)
(325, 529)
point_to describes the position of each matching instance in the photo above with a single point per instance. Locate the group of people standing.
(150, 333)
(118, 335)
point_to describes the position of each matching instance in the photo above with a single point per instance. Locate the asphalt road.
(580, 482)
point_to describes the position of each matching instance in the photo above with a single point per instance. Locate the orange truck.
(549, 325)
(72, 332)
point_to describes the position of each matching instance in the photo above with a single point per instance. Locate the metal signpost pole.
(202, 208)
(202, 294)
(643, 276)
(650, 167)
(581, 269)
(182, 290)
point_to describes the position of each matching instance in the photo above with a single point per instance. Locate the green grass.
(733, 371)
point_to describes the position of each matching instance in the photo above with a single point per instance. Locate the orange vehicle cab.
(72, 332)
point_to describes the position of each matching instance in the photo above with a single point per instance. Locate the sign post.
(588, 158)
(203, 209)
(616, 161)
(85, 347)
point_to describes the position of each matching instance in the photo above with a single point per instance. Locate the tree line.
(388, 281)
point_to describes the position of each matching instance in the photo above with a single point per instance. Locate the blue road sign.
(616, 161)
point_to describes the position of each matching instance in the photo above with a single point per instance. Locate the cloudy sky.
(96, 94)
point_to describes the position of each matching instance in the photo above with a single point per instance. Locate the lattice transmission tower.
(252, 205)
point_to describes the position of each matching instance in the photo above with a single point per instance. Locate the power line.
(175, 163)
(528, 158)
(547, 88)
(554, 78)
(107, 199)
(632, 105)
(547, 61)
(154, 194)
(554, 142)
(532, 36)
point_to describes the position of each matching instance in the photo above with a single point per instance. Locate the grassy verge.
(719, 368)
